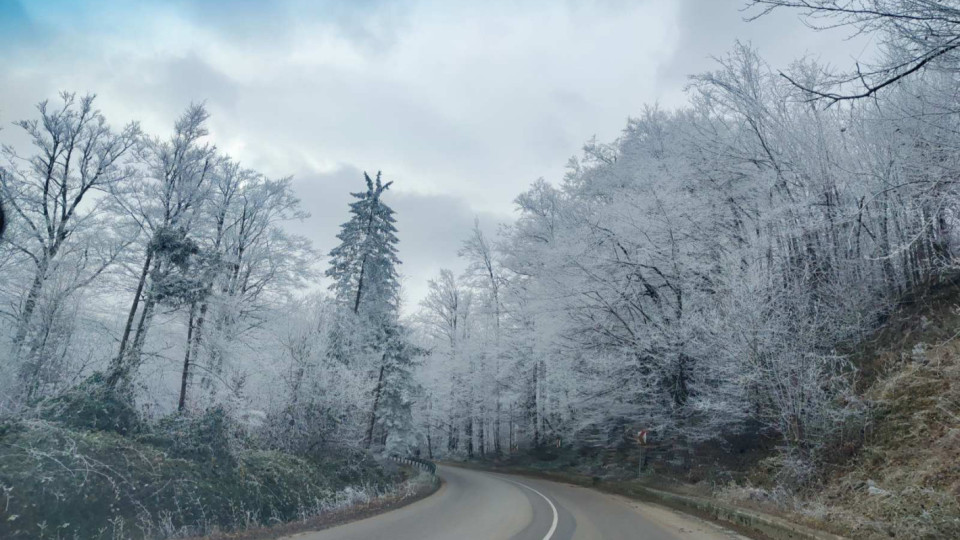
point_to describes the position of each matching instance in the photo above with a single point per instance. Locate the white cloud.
(461, 103)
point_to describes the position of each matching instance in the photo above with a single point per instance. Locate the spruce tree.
(367, 289)
(364, 265)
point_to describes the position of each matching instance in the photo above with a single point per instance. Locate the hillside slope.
(902, 478)
(905, 480)
(178, 479)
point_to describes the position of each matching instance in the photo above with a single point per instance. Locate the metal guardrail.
(424, 464)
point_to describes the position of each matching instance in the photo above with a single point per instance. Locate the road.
(475, 505)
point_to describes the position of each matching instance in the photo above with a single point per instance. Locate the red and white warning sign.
(642, 436)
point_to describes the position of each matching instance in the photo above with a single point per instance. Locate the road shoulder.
(334, 518)
(745, 522)
(685, 524)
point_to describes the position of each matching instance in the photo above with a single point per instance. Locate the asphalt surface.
(475, 505)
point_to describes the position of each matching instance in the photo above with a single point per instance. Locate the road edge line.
(750, 523)
(556, 515)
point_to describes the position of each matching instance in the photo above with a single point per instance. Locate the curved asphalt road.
(474, 505)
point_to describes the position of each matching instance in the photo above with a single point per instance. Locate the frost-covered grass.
(59, 482)
(903, 479)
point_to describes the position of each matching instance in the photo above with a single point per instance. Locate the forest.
(706, 277)
(704, 274)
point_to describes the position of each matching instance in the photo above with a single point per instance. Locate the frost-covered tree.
(916, 35)
(65, 234)
(698, 275)
(364, 265)
(319, 402)
(394, 394)
(445, 316)
(367, 289)
(165, 205)
(485, 273)
(250, 262)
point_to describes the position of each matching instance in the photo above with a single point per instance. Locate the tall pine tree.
(364, 265)
(367, 289)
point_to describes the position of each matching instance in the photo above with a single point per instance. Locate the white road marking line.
(553, 526)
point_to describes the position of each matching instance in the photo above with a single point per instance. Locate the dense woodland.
(701, 276)
(189, 246)
(704, 275)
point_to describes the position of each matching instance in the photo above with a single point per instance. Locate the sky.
(461, 104)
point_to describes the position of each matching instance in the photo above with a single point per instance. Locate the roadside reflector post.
(642, 444)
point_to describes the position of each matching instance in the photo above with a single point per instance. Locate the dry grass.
(903, 480)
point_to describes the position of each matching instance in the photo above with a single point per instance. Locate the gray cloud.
(463, 104)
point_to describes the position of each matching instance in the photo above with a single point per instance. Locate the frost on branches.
(699, 275)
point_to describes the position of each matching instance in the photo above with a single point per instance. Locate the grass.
(60, 482)
(902, 480)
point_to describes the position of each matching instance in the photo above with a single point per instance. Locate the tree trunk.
(481, 428)
(118, 366)
(510, 432)
(536, 405)
(29, 305)
(429, 443)
(198, 331)
(376, 403)
(356, 302)
(185, 375)
(453, 441)
(453, 437)
(146, 316)
(496, 424)
(468, 433)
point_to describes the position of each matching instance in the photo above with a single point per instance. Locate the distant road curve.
(476, 505)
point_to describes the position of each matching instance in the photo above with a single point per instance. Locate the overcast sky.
(462, 104)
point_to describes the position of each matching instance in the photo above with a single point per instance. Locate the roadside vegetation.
(88, 467)
(763, 280)
(903, 479)
(162, 374)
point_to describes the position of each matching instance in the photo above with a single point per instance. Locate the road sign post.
(642, 443)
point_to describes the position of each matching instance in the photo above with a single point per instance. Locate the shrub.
(93, 405)
(209, 438)
(57, 482)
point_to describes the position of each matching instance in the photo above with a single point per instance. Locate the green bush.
(89, 467)
(93, 405)
(206, 438)
(10, 427)
(67, 483)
